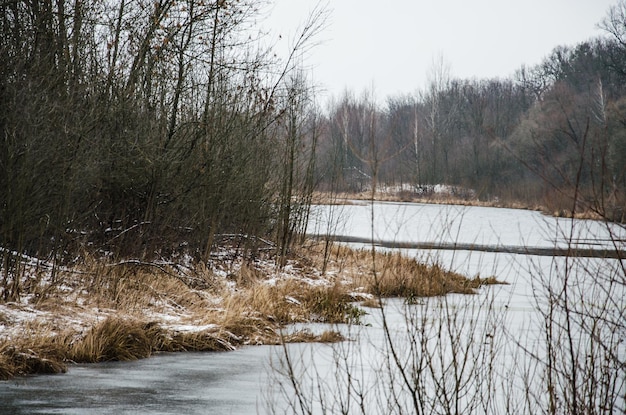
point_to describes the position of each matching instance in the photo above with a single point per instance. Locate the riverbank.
(102, 310)
(449, 195)
(403, 196)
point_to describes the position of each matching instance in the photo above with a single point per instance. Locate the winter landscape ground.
(493, 347)
(99, 310)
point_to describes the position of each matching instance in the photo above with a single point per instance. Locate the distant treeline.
(548, 135)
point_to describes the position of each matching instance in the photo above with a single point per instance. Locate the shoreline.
(130, 310)
(406, 197)
(87, 312)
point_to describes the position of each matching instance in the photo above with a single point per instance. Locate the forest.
(531, 139)
(141, 128)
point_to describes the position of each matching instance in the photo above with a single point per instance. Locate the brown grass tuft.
(116, 339)
(392, 274)
(405, 277)
(7, 369)
(199, 342)
(373, 302)
(255, 315)
(306, 336)
(331, 304)
(20, 361)
(43, 355)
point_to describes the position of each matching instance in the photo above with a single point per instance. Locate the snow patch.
(189, 328)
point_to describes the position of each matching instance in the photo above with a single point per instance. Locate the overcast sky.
(390, 45)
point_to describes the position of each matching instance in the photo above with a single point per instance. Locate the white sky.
(389, 46)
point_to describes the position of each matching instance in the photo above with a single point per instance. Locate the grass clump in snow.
(391, 274)
(405, 277)
(267, 306)
(115, 339)
(307, 336)
(44, 357)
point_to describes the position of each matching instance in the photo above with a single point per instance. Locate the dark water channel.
(176, 383)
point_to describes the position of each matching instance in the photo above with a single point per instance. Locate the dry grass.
(395, 275)
(134, 288)
(436, 199)
(203, 341)
(43, 355)
(372, 302)
(102, 311)
(115, 339)
(306, 336)
(404, 277)
(289, 301)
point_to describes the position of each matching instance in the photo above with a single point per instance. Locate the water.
(170, 383)
(416, 222)
(248, 381)
(571, 309)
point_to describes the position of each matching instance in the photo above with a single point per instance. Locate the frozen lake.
(454, 224)
(510, 316)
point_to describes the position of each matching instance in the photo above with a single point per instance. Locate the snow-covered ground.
(57, 300)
